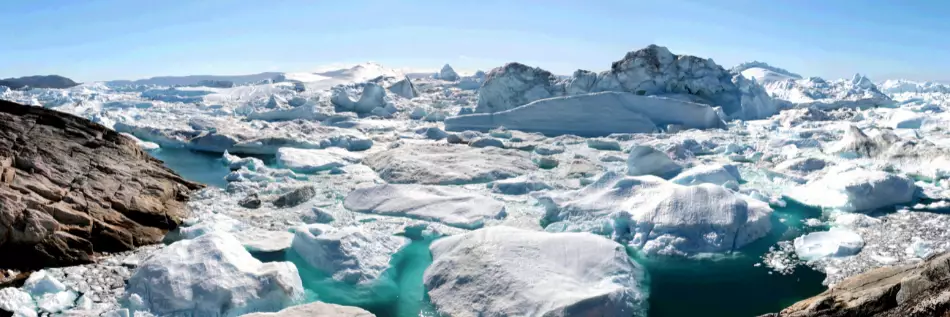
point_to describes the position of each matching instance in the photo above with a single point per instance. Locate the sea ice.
(503, 271)
(351, 254)
(520, 185)
(17, 302)
(448, 205)
(212, 275)
(837, 242)
(312, 161)
(645, 160)
(708, 174)
(444, 164)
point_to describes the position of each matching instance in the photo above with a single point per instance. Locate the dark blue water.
(202, 167)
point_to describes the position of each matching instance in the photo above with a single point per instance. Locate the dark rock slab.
(916, 290)
(71, 189)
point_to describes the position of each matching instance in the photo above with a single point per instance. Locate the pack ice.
(483, 273)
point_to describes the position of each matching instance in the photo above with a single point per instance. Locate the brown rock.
(70, 188)
(904, 291)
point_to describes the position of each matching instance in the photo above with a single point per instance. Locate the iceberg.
(658, 216)
(593, 115)
(503, 271)
(312, 161)
(212, 275)
(351, 254)
(856, 191)
(447, 164)
(448, 205)
(837, 242)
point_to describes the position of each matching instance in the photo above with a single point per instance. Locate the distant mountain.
(49, 81)
(193, 80)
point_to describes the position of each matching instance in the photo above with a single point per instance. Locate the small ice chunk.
(265, 240)
(920, 248)
(209, 224)
(837, 242)
(645, 160)
(603, 144)
(312, 161)
(18, 302)
(487, 142)
(708, 174)
(548, 149)
(519, 185)
(41, 282)
(56, 302)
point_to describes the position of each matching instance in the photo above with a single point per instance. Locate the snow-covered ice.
(856, 190)
(836, 242)
(446, 164)
(660, 217)
(448, 205)
(212, 275)
(351, 254)
(503, 271)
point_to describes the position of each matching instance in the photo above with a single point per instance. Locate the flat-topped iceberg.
(452, 206)
(590, 115)
(503, 271)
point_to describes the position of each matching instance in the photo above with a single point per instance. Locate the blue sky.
(92, 40)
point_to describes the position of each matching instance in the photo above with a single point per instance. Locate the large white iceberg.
(595, 114)
(651, 71)
(660, 217)
(212, 275)
(448, 205)
(503, 271)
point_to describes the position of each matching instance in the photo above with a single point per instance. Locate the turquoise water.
(202, 167)
(399, 292)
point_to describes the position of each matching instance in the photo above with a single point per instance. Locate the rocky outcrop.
(905, 291)
(649, 71)
(71, 188)
(50, 81)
